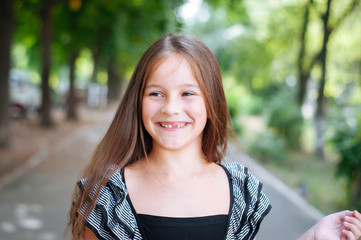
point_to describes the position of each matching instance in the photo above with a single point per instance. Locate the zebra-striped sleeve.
(112, 217)
(250, 204)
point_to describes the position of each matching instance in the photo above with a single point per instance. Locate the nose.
(171, 106)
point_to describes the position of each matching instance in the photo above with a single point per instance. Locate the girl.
(156, 174)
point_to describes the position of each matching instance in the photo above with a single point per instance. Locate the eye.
(155, 94)
(188, 94)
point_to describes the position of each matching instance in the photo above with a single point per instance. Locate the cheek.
(149, 110)
(145, 111)
(146, 116)
(199, 110)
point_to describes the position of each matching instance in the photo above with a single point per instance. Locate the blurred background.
(291, 72)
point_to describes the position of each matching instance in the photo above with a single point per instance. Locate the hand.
(344, 225)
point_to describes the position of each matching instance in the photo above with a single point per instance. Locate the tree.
(303, 71)
(46, 40)
(35, 22)
(320, 58)
(67, 24)
(72, 113)
(6, 29)
(115, 84)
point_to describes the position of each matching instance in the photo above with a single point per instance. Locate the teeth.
(172, 126)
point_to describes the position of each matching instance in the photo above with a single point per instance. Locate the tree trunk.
(6, 29)
(114, 82)
(72, 99)
(95, 65)
(321, 87)
(46, 35)
(303, 74)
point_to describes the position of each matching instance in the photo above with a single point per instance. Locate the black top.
(193, 228)
(114, 217)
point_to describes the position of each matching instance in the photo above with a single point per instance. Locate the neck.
(177, 164)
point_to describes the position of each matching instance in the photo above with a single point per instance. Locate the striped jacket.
(113, 218)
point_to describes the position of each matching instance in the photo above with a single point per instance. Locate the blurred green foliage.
(285, 117)
(109, 29)
(267, 146)
(347, 142)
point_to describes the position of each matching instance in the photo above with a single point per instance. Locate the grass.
(325, 191)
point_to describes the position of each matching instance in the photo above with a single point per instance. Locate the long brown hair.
(127, 141)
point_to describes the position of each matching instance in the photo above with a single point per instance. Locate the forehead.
(174, 69)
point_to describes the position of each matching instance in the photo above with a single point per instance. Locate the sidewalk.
(29, 139)
(35, 196)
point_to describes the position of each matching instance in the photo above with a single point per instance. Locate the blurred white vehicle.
(25, 98)
(97, 95)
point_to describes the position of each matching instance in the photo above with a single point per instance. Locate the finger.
(347, 213)
(348, 234)
(354, 225)
(354, 229)
(343, 214)
(357, 215)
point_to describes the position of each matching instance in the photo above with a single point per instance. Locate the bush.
(268, 147)
(347, 142)
(285, 117)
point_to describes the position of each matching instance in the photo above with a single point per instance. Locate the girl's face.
(173, 108)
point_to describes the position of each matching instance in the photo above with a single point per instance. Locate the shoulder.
(112, 192)
(235, 168)
(112, 216)
(245, 184)
(239, 174)
(250, 204)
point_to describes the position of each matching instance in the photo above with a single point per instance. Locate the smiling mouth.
(173, 125)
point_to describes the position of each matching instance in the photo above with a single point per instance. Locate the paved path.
(35, 205)
(34, 202)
